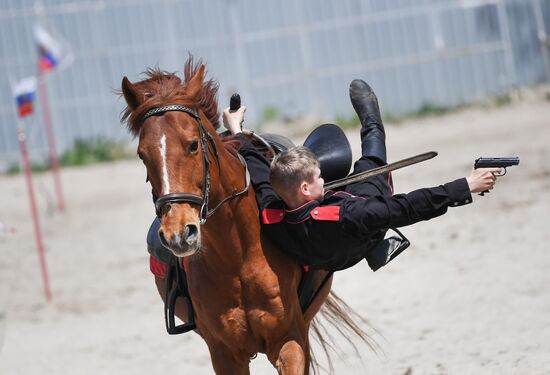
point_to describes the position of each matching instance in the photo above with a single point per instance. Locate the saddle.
(331, 147)
(328, 142)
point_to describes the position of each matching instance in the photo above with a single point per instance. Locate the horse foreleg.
(224, 362)
(292, 358)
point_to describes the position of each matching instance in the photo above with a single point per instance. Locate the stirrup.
(173, 291)
(387, 250)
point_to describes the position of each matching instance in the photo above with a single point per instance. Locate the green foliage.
(13, 168)
(347, 122)
(547, 96)
(83, 152)
(94, 150)
(390, 118)
(431, 109)
(502, 100)
(270, 113)
(39, 167)
(425, 110)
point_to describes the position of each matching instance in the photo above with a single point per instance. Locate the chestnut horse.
(244, 290)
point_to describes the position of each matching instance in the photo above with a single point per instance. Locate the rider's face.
(315, 186)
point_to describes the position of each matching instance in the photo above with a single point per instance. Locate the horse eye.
(194, 146)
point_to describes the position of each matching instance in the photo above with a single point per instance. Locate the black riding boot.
(365, 103)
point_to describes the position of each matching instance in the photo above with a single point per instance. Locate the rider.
(334, 230)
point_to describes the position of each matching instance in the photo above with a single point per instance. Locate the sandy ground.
(469, 297)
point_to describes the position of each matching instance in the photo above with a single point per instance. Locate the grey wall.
(298, 55)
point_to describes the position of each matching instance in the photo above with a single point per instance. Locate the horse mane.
(161, 88)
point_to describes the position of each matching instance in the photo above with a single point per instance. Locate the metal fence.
(295, 55)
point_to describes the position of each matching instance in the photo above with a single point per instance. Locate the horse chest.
(253, 311)
(241, 307)
(263, 304)
(220, 310)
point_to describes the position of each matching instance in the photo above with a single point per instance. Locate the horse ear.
(131, 94)
(195, 83)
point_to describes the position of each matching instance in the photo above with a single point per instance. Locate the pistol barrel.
(496, 162)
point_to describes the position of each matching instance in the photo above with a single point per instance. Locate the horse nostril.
(162, 238)
(191, 233)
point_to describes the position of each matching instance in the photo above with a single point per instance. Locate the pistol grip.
(483, 193)
(235, 104)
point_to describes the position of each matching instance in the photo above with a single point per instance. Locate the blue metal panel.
(297, 55)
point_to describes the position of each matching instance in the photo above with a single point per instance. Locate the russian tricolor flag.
(24, 93)
(47, 60)
(49, 49)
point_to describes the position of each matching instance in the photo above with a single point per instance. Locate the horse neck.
(233, 230)
(229, 177)
(227, 173)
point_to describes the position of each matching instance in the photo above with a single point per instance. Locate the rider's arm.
(257, 165)
(382, 212)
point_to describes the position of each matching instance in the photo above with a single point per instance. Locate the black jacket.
(338, 231)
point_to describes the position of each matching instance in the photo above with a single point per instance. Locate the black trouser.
(381, 184)
(385, 250)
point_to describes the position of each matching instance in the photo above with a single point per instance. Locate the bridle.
(205, 139)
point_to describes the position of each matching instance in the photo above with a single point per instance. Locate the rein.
(205, 139)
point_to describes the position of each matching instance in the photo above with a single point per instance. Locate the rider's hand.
(232, 120)
(482, 179)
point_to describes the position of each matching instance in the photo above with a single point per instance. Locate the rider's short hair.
(292, 167)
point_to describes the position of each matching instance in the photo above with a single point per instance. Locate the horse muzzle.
(184, 242)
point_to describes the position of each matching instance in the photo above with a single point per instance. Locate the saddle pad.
(160, 255)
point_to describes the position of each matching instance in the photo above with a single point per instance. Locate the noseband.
(205, 138)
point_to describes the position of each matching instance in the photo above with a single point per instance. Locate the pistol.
(495, 163)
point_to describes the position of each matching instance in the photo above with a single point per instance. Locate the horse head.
(174, 120)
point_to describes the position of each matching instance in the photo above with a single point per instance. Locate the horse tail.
(348, 323)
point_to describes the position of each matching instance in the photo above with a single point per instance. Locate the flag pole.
(54, 160)
(36, 220)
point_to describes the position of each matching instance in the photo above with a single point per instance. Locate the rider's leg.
(373, 147)
(373, 141)
(373, 136)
